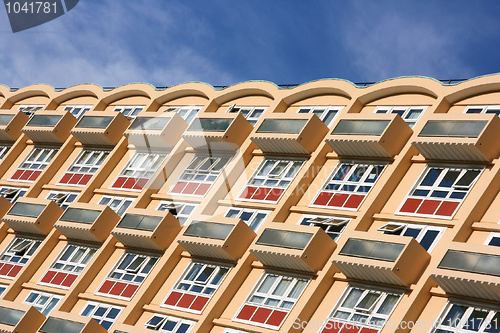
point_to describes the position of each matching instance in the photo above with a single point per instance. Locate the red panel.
(261, 193)
(129, 183)
(186, 301)
(332, 327)
(59, 278)
(117, 289)
(276, 318)
(119, 182)
(350, 328)
(129, 290)
(106, 286)
(76, 178)
(202, 189)
(247, 312)
(173, 298)
(141, 183)
(13, 272)
(17, 174)
(199, 303)
(85, 179)
(354, 201)
(190, 188)
(275, 194)
(368, 330)
(65, 179)
(48, 277)
(5, 269)
(410, 206)
(323, 199)
(34, 175)
(26, 174)
(69, 280)
(447, 208)
(178, 187)
(338, 200)
(428, 207)
(261, 315)
(248, 192)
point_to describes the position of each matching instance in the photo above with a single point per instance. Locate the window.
(138, 171)
(493, 239)
(84, 167)
(3, 150)
(427, 236)
(458, 317)
(118, 204)
(188, 113)
(271, 179)
(43, 302)
(169, 324)
(12, 193)
(18, 252)
(440, 191)
(254, 218)
(29, 110)
(77, 110)
(483, 109)
(104, 314)
(251, 113)
(410, 114)
(36, 161)
(350, 184)
(333, 226)
(3, 287)
(327, 114)
(71, 262)
(196, 286)
(63, 199)
(130, 111)
(199, 175)
(272, 300)
(363, 307)
(124, 280)
(181, 210)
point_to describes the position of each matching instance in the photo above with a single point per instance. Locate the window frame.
(191, 111)
(165, 319)
(140, 172)
(134, 110)
(43, 308)
(4, 149)
(248, 112)
(254, 213)
(100, 319)
(406, 110)
(102, 155)
(122, 202)
(471, 306)
(490, 237)
(180, 207)
(422, 227)
(32, 108)
(82, 109)
(24, 258)
(484, 109)
(64, 198)
(327, 224)
(18, 192)
(324, 115)
(33, 155)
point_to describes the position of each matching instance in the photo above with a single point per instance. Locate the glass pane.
(463, 129)
(388, 304)
(94, 122)
(361, 127)
(44, 120)
(80, 215)
(372, 249)
(368, 300)
(283, 238)
(282, 287)
(454, 315)
(26, 209)
(209, 230)
(210, 124)
(352, 298)
(149, 123)
(267, 284)
(286, 126)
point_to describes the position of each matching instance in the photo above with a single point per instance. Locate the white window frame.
(490, 237)
(322, 111)
(254, 213)
(178, 209)
(26, 249)
(435, 187)
(248, 112)
(406, 110)
(188, 113)
(100, 319)
(129, 111)
(78, 110)
(12, 193)
(30, 109)
(141, 166)
(121, 202)
(81, 163)
(328, 223)
(43, 301)
(398, 228)
(208, 289)
(3, 287)
(464, 320)
(370, 312)
(162, 319)
(484, 109)
(4, 149)
(62, 199)
(32, 160)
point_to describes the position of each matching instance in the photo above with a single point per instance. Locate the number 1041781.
(36, 7)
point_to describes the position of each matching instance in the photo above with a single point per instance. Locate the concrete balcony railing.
(98, 128)
(17, 317)
(33, 216)
(63, 322)
(11, 124)
(49, 126)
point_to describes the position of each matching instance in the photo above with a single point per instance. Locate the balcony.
(154, 130)
(33, 216)
(63, 322)
(470, 270)
(97, 128)
(376, 135)
(387, 259)
(295, 134)
(147, 229)
(219, 237)
(294, 247)
(87, 222)
(465, 137)
(218, 132)
(49, 126)
(19, 318)
(11, 124)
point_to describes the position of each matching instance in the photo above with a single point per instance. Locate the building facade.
(325, 207)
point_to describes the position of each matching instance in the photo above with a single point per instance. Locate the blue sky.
(166, 42)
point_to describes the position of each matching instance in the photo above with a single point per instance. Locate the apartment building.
(325, 207)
